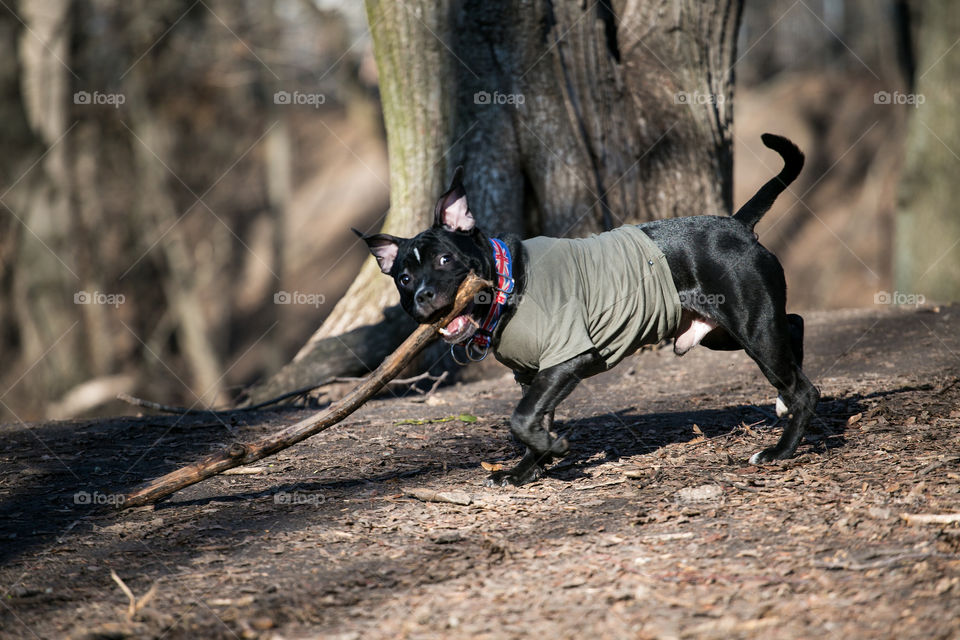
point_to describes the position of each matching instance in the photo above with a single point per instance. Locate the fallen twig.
(598, 486)
(165, 408)
(242, 454)
(429, 495)
(426, 375)
(931, 518)
(770, 415)
(134, 604)
(936, 465)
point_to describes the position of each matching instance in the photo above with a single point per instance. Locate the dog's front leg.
(532, 419)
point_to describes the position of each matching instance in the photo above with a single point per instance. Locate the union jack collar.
(476, 346)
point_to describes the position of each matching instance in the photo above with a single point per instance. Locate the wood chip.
(703, 493)
(244, 471)
(429, 495)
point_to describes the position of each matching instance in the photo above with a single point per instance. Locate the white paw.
(755, 458)
(782, 408)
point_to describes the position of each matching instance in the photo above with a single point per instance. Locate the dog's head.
(429, 267)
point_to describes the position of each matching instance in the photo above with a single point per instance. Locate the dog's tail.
(750, 213)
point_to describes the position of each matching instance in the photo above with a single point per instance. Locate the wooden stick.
(241, 454)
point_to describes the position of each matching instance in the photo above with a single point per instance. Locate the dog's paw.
(498, 479)
(514, 477)
(770, 454)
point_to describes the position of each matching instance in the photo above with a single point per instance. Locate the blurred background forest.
(178, 179)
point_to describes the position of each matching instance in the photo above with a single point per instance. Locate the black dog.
(565, 309)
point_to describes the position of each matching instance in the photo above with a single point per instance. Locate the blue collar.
(476, 347)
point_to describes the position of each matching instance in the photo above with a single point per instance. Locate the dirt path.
(654, 527)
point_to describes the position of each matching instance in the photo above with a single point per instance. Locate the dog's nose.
(425, 295)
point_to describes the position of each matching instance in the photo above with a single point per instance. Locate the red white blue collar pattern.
(476, 346)
(503, 263)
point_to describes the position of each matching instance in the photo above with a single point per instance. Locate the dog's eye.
(404, 279)
(445, 259)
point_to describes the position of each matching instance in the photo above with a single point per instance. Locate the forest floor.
(655, 526)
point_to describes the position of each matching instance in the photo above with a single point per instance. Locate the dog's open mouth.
(459, 329)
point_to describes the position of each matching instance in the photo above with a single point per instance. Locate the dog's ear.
(384, 248)
(452, 212)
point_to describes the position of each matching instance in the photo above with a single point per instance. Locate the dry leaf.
(491, 466)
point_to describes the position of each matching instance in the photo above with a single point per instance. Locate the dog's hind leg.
(772, 351)
(774, 340)
(795, 325)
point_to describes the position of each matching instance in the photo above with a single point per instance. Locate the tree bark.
(43, 278)
(569, 118)
(927, 236)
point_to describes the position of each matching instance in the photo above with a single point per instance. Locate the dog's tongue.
(459, 329)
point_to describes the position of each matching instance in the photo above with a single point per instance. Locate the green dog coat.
(612, 292)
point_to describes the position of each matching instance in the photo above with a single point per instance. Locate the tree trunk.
(568, 117)
(16, 131)
(43, 276)
(927, 238)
